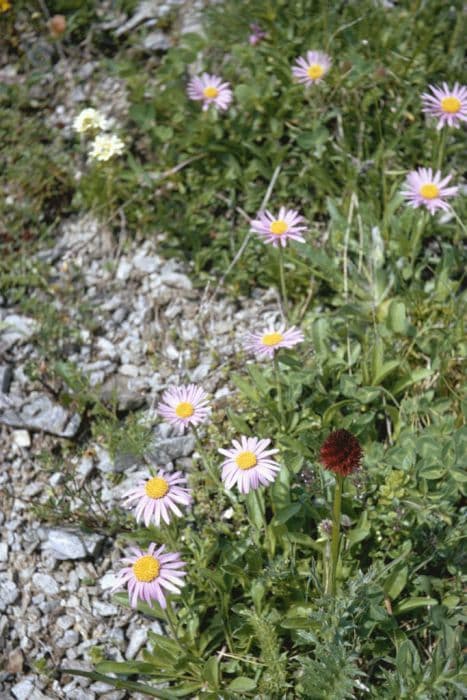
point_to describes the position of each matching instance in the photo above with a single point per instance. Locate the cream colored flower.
(89, 120)
(106, 146)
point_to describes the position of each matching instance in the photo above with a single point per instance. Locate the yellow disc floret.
(271, 339)
(185, 409)
(156, 487)
(315, 71)
(451, 104)
(429, 190)
(278, 227)
(146, 568)
(210, 92)
(246, 460)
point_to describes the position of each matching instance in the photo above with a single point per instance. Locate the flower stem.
(173, 629)
(336, 521)
(280, 404)
(204, 458)
(441, 148)
(265, 524)
(285, 302)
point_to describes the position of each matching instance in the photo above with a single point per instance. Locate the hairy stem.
(285, 302)
(336, 521)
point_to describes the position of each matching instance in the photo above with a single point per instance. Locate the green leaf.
(286, 513)
(361, 530)
(242, 684)
(397, 318)
(413, 604)
(211, 672)
(384, 370)
(416, 376)
(396, 582)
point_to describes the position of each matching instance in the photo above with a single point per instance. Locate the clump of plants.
(315, 551)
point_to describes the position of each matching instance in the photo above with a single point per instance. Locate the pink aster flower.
(424, 187)
(313, 68)
(277, 229)
(149, 573)
(449, 105)
(248, 464)
(211, 90)
(184, 405)
(257, 34)
(266, 344)
(157, 496)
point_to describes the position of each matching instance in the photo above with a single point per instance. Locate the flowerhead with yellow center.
(312, 68)
(184, 405)
(158, 497)
(265, 344)
(150, 575)
(210, 90)
(248, 464)
(277, 230)
(106, 146)
(448, 105)
(427, 188)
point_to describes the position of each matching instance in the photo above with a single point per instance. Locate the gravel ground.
(151, 328)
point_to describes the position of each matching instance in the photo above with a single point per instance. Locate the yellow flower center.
(315, 71)
(156, 487)
(210, 91)
(272, 339)
(278, 227)
(429, 191)
(451, 104)
(185, 409)
(146, 568)
(4, 5)
(246, 460)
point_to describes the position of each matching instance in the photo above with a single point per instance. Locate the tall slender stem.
(204, 458)
(280, 404)
(441, 148)
(265, 524)
(173, 629)
(336, 521)
(285, 302)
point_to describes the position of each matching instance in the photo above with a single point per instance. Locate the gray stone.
(6, 374)
(69, 639)
(8, 592)
(15, 328)
(117, 388)
(3, 551)
(26, 690)
(156, 41)
(104, 609)
(123, 270)
(65, 544)
(137, 639)
(177, 280)
(92, 542)
(146, 263)
(45, 583)
(164, 451)
(38, 412)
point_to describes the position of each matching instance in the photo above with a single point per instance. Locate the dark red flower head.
(341, 452)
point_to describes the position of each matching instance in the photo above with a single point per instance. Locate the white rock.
(146, 263)
(129, 370)
(8, 592)
(25, 690)
(104, 609)
(108, 581)
(138, 638)
(123, 270)
(45, 583)
(65, 544)
(3, 551)
(69, 639)
(21, 438)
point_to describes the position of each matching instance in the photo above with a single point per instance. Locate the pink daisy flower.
(277, 229)
(449, 105)
(313, 68)
(149, 573)
(248, 464)
(210, 90)
(266, 344)
(157, 496)
(184, 405)
(424, 187)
